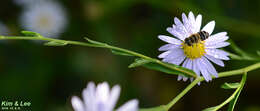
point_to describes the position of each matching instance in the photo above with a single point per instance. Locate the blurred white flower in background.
(45, 17)
(101, 98)
(26, 2)
(3, 29)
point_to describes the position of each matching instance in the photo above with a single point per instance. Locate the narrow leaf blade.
(138, 62)
(230, 85)
(33, 34)
(158, 67)
(95, 42)
(116, 52)
(55, 43)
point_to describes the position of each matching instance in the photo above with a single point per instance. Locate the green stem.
(179, 96)
(93, 45)
(239, 71)
(46, 39)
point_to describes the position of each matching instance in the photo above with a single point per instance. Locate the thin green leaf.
(230, 85)
(233, 102)
(159, 108)
(55, 43)
(117, 52)
(155, 66)
(95, 42)
(138, 62)
(29, 33)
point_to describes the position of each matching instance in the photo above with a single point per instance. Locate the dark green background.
(49, 76)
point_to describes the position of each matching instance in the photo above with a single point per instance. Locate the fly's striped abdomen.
(197, 37)
(203, 35)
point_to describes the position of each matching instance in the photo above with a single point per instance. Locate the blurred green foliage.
(49, 76)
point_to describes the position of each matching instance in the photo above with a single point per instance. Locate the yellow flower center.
(196, 50)
(44, 22)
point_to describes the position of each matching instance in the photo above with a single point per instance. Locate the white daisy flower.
(3, 29)
(46, 18)
(194, 56)
(101, 98)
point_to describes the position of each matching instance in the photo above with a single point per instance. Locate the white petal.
(217, 53)
(179, 77)
(210, 67)
(218, 37)
(209, 27)
(203, 70)
(177, 61)
(177, 22)
(129, 106)
(115, 92)
(89, 96)
(218, 45)
(175, 33)
(185, 63)
(169, 39)
(189, 64)
(168, 47)
(216, 61)
(191, 17)
(192, 22)
(186, 23)
(77, 104)
(174, 54)
(164, 54)
(198, 23)
(185, 79)
(102, 93)
(195, 67)
(180, 28)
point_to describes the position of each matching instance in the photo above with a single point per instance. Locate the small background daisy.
(45, 17)
(27, 2)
